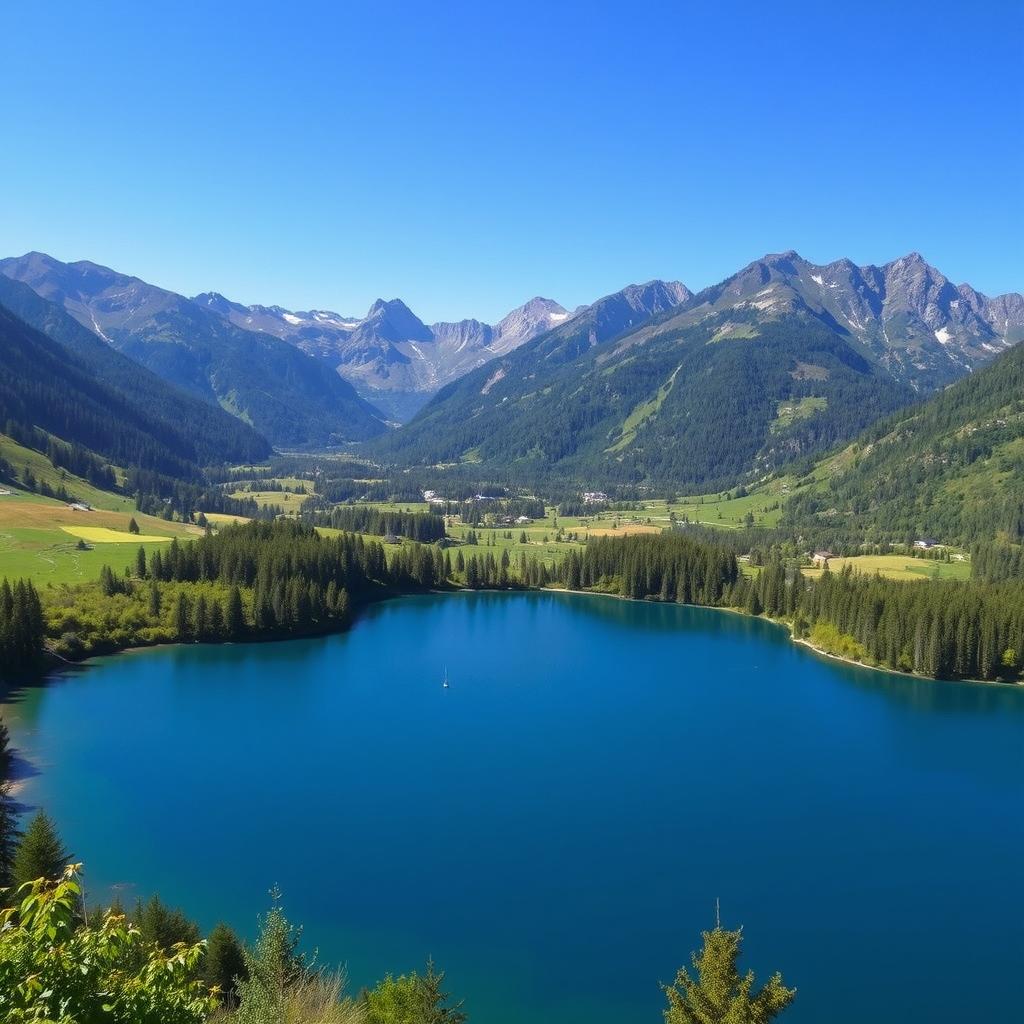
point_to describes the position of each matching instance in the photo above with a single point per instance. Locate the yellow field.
(39, 539)
(225, 518)
(104, 535)
(624, 530)
(46, 514)
(284, 500)
(898, 567)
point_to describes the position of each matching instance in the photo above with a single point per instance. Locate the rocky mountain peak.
(393, 320)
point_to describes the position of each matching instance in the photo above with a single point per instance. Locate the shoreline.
(66, 664)
(799, 641)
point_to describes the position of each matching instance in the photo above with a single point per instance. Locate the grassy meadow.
(39, 539)
(898, 567)
(21, 458)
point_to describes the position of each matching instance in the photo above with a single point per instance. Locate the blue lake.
(556, 826)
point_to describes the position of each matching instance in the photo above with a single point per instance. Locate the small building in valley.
(820, 559)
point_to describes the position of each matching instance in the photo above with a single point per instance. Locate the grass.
(397, 506)
(284, 500)
(225, 518)
(39, 539)
(735, 332)
(104, 535)
(791, 411)
(641, 414)
(44, 471)
(899, 567)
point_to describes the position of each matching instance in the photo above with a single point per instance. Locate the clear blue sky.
(466, 156)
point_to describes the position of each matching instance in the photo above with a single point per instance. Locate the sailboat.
(445, 683)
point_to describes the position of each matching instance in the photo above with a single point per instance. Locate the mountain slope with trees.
(779, 361)
(190, 427)
(284, 394)
(398, 362)
(951, 468)
(699, 407)
(44, 388)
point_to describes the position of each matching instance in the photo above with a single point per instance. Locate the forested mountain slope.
(696, 407)
(185, 425)
(398, 362)
(43, 387)
(781, 360)
(289, 397)
(951, 468)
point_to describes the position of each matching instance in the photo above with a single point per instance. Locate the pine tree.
(108, 584)
(9, 833)
(181, 618)
(234, 617)
(163, 926)
(223, 963)
(719, 994)
(140, 563)
(200, 619)
(40, 853)
(133, 527)
(272, 966)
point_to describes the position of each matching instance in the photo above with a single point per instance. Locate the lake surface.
(555, 827)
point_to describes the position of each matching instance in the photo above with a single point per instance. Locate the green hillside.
(287, 396)
(190, 428)
(43, 387)
(698, 406)
(951, 468)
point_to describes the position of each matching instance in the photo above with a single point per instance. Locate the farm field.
(898, 567)
(285, 500)
(397, 506)
(105, 535)
(39, 539)
(225, 518)
(21, 458)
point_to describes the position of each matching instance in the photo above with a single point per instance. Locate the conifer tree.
(234, 617)
(9, 833)
(163, 926)
(181, 618)
(224, 963)
(40, 854)
(718, 994)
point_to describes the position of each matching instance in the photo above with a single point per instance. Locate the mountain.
(779, 361)
(951, 468)
(47, 387)
(284, 394)
(924, 330)
(398, 362)
(190, 428)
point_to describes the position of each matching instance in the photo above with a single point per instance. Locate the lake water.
(556, 826)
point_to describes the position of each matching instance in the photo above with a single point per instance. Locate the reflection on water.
(597, 774)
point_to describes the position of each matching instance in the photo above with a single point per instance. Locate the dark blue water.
(556, 826)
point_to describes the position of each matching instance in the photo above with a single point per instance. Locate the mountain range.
(397, 362)
(780, 361)
(59, 378)
(289, 398)
(783, 359)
